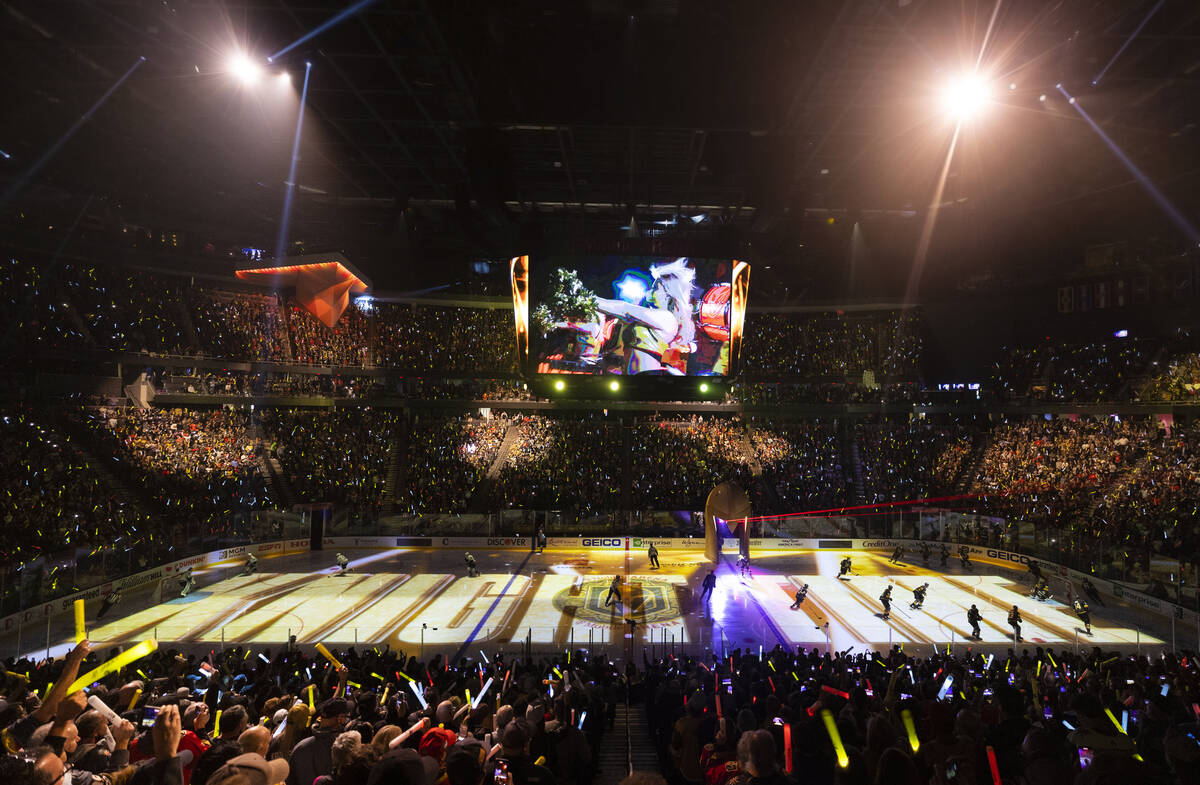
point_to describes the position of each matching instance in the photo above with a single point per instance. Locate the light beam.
(1128, 41)
(290, 186)
(336, 19)
(1178, 218)
(24, 179)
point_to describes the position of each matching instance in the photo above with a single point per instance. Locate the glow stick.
(376, 675)
(507, 673)
(279, 730)
(1084, 675)
(946, 686)
(760, 652)
(989, 661)
(421, 725)
(80, 631)
(469, 699)
(383, 700)
(831, 728)
(485, 659)
(482, 692)
(1051, 656)
(405, 675)
(557, 672)
(1039, 669)
(771, 663)
(133, 701)
(832, 691)
(1125, 721)
(263, 657)
(787, 747)
(311, 706)
(420, 697)
(772, 683)
(113, 665)
(719, 715)
(1116, 724)
(909, 726)
(582, 717)
(217, 724)
(991, 753)
(327, 655)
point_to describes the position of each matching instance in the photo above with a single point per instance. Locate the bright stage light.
(560, 385)
(703, 387)
(966, 96)
(285, 78)
(245, 69)
(614, 385)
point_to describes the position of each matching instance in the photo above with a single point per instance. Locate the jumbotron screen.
(633, 315)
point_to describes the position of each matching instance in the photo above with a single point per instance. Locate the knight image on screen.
(630, 315)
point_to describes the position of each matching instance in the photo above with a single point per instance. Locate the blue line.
(458, 654)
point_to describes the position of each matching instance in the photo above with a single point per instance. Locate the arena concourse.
(638, 393)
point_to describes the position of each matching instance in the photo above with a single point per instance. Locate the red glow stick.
(991, 753)
(787, 747)
(772, 684)
(719, 715)
(832, 691)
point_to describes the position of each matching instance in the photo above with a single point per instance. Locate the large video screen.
(636, 315)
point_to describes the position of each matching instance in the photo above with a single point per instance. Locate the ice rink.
(423, 598)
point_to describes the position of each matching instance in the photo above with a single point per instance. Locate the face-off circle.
(646, 600)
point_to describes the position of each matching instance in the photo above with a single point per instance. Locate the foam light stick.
(469, 699)
(329, 656)
(504, 686)
(911, 729)
(217, 724)
(405, 675)
(991, 756)
(420, 697)
(482, 692)
(421, 725)
(843, 759)
(115, 664)
(719, 714)
(832, 691)
(133, 701)
(311, 705)
(386, 688)
(787, 747)
(1116, 724)
(582, 717)
(947, 685)
(772, 683)
(80, 630)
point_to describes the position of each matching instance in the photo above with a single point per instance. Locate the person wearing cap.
(311, 757)
(251, 769)
(514, 750)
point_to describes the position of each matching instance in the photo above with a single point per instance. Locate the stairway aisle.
(619, 754)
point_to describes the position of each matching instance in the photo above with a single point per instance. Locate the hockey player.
(801, 594)
(964, 553)
(251, 565)
(111, 600)
(744, 566)
(614, 590)
(1014, 621)
(973, 618)
(187, 583)
(919, 596)
(472, 570)
(897, 555)
(1084, 613)
(652, 552)
(844, 570)
(343, 563)
(886, 600)
(710, 583)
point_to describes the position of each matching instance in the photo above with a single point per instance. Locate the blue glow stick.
(420, 697)
(946, 686)
(479, 697)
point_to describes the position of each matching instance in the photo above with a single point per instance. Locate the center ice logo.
(648, 601)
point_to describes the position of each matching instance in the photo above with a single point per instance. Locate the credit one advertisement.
(634, 315)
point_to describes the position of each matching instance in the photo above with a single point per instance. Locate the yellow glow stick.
(383, 700)
(329, 656)
(405, 675)
(468, 696)
(1039, 668)
(1116, 724)
(80, 632)
(1053, 664)
(217, 724)
(913, 741)
(114, 665)
(831, 727)
(133, 701)
(311, 707)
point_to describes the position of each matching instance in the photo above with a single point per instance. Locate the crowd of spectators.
(676, 462)
(563, 464)
(338, 456)
(1034, 716)
(802, 462)
(903, 459)
(347, 343)
(238, 326)
(446, 460)
(833, 344)
(426, 338)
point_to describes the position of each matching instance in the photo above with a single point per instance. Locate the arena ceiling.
(476, 118)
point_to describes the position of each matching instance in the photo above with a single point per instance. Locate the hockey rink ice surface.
(557, 599)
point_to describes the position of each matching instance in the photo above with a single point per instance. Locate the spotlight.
(614, 385)
(245, 69)
(703, 387)
(1042, 98)
(965, 96)
(285, 78)
(1012, 85)
(560, 385)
